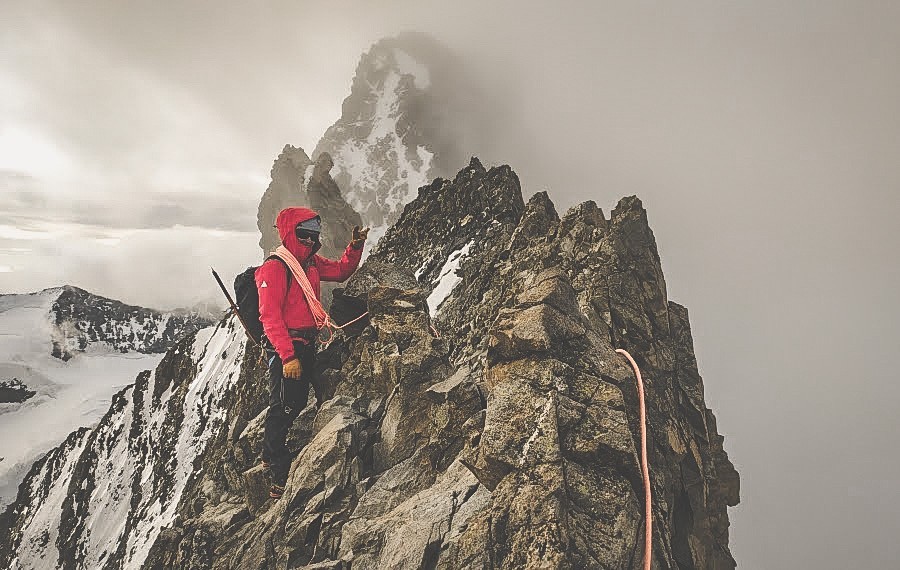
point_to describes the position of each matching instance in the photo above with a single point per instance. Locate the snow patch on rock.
(447, 279)
(537, 429)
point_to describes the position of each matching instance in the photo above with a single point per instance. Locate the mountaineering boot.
(276, 491)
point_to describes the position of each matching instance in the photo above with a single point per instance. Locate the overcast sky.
(763, 139)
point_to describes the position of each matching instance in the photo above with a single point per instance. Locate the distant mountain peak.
(381, 151)
(412, 115)
(83, 318)
(79, 319)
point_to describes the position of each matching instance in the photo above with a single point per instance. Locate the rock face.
(478, 417)
(297, 181)
(82, 318)
(14, 391)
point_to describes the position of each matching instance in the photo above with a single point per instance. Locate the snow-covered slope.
(67, 352)
(123, 480)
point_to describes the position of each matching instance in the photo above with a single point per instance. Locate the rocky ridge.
(82, 318)
(477, 418)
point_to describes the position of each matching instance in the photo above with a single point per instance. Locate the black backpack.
(247, 298)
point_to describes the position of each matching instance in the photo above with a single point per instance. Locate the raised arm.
(330, 270)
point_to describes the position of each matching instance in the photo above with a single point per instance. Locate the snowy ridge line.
(382, 171)
(82, 318)
(115, 492)
(46, 486)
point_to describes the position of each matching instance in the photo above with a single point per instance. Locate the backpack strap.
(287, 272)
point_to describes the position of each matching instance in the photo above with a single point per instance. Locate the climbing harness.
(645, 469)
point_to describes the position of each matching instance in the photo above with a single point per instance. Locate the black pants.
(287, 398)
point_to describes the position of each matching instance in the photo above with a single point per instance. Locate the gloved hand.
(359, 237)
(292, 369)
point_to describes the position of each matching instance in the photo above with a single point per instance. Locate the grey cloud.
(20, 190)
(199, 210)
(30, 209)
(762, 138)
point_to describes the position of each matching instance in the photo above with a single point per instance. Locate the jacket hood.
(286, 221)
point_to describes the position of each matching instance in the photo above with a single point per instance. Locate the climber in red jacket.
(290, 327)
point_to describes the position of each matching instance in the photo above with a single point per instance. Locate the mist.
(762, 138)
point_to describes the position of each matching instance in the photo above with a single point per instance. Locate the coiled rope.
(648, 513)
(320, 315)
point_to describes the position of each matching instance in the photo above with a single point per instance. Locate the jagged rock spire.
(298, 181)
(408, 119)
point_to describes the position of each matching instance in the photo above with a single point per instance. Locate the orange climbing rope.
(323, 320)
(648, 514)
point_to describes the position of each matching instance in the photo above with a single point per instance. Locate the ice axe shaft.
(234, 307)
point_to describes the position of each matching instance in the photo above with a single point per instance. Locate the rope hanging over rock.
(645, 469)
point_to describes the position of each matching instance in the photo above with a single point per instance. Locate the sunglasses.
(306, 236)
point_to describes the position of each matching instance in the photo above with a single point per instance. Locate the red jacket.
(279, 312)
